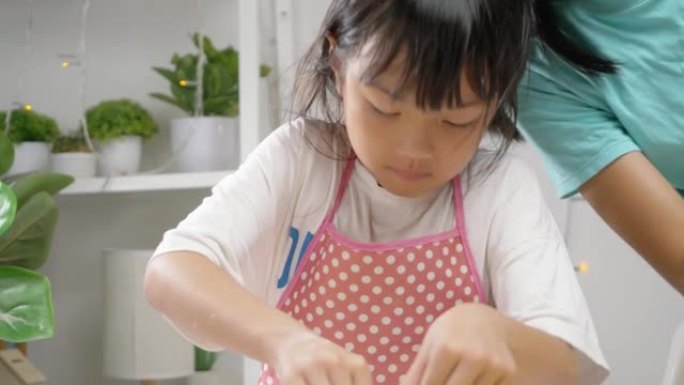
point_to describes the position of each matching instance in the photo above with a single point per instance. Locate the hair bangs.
(434, 44)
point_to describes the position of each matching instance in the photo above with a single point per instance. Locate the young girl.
(378, 245)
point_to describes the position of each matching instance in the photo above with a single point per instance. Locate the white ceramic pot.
(76, 164)
(138, 343)
(205, 144)
(120, 156)
(210, 377)
(30, 156)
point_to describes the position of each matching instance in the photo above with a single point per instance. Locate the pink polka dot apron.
(378, 300)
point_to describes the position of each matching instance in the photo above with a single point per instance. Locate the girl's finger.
(465, 373)
(294, 381)
(491, 377)
(361, 374)
(340, 375)
(415, 372)
(438, 369)
(317, 376)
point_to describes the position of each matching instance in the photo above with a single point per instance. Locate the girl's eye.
(460, 125)
(383, 113)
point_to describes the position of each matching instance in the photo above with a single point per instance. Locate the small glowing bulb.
(583, 267)
(66, 64)
(183, 83)
(28, 107)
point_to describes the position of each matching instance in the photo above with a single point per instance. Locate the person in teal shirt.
(603, 100)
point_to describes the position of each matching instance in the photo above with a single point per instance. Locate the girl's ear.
(335, 63)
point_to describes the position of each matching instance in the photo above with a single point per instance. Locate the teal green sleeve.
(576, 139)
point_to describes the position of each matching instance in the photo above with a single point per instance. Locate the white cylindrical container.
(120, 156)
(139, 344)
(205, 143)
(30, 157)
(210, 377)
(76, 164)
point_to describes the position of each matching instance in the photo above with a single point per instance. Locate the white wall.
(635, 311)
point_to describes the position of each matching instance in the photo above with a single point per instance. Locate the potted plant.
(204, 363)
(28, 216)
(32, 134)
(208, 139)
(71, 155)
(118, 127)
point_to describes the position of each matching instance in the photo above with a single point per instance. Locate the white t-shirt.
(258, 221)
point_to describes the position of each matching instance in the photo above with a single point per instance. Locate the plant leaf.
(171, 100)
(219, 106)
(264, 70)
(26, 312)
(33, 183)
(6, 150)
(8, 207)
(30, 126)
(204, 360)
(27, 243)
(167, 74)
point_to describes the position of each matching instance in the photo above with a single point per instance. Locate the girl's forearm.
(213, 310)
(540, 358)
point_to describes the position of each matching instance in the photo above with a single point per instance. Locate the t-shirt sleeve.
(237, 225)
(562, 114)
(532, 278)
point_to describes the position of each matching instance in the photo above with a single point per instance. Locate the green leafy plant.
(204, 360)
(220, 87)
(29, 126)
(112, 119)
(28, 217)
(70, 143)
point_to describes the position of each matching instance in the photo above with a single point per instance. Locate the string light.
(83, 78)
(199, 88)
(68, 60)
(28, 53)
(186, 83)
(22, 106)
(583, 267)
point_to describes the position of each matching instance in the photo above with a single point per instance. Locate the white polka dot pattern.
(378, 304)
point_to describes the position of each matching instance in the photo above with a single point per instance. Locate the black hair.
(569, 48)
(440, 38)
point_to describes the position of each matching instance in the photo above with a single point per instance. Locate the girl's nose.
(414, 143)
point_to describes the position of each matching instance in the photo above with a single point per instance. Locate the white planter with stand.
(138, 343)
(76, 164)
(210, 377)
(30, 156)
(120, 156)
(205, 143)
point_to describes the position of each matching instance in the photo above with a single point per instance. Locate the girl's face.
(411, 152)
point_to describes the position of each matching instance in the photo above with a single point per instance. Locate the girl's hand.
(466, 345)
(303, 358)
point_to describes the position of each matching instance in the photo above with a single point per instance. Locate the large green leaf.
(8, 207)
(6, 152)
(36, 182)
(27, 243)
(26, 312)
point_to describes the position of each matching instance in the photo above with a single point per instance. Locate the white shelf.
(143, 183)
